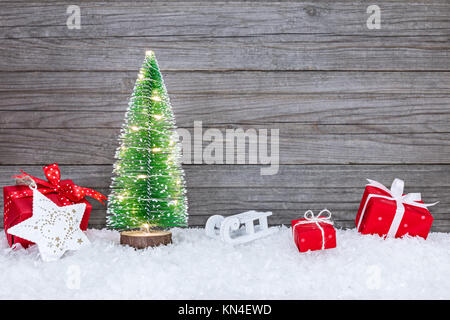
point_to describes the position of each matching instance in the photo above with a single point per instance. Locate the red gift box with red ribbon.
(390, 213)
(314, 233)
(18, 199)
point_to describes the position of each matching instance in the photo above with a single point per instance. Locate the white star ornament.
(54, 229)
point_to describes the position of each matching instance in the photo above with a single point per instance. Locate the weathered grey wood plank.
(433, 121)
(64, 119)
(239, 200)
(226, 36)
(224, 19)
(335, 98)
(286, 202)
(235, 83)
(389, 113)
(260, 52)
(418, 178)
(295, 201)
(97, 146)
(341, 211)
(77, 146)
(217, 189)
(229, 176)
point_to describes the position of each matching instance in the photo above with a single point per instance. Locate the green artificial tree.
(148, 188)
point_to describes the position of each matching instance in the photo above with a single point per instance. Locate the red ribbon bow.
(67, 193)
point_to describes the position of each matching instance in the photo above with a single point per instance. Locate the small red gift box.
(18, 200)
(390, 213)
(314, 233)
(20, 209)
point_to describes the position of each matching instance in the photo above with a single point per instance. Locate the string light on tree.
(148, 189)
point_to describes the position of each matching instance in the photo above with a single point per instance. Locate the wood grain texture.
(228, 83)
(428, 119)
(290, 176)
(351, 103)
(221, 18)
(140, 240)
(297, 145)
(294, 52)
(227, 36)
(99, 99)
(230, 189)
(396, 113)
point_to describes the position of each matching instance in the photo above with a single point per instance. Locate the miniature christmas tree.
(148, 187)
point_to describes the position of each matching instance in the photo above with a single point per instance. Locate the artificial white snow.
(198, 267)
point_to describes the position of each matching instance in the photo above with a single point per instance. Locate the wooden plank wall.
(351, 103)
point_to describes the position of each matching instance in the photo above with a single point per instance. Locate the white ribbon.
(396, 194)
(311, 218)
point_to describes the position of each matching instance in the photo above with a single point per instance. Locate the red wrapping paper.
(18, 199)
(379, 214)
(20, 209)
(308, 236)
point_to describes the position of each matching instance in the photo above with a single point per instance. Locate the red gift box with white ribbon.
(314, 232)
(390, 213)
(18, 199)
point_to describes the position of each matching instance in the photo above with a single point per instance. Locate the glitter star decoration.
(54, 229)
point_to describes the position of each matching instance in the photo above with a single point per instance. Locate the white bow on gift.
(396, 194)
(311, 218)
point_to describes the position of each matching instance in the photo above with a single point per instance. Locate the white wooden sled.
(229, 229)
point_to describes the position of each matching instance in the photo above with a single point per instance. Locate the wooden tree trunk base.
(141, 239)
